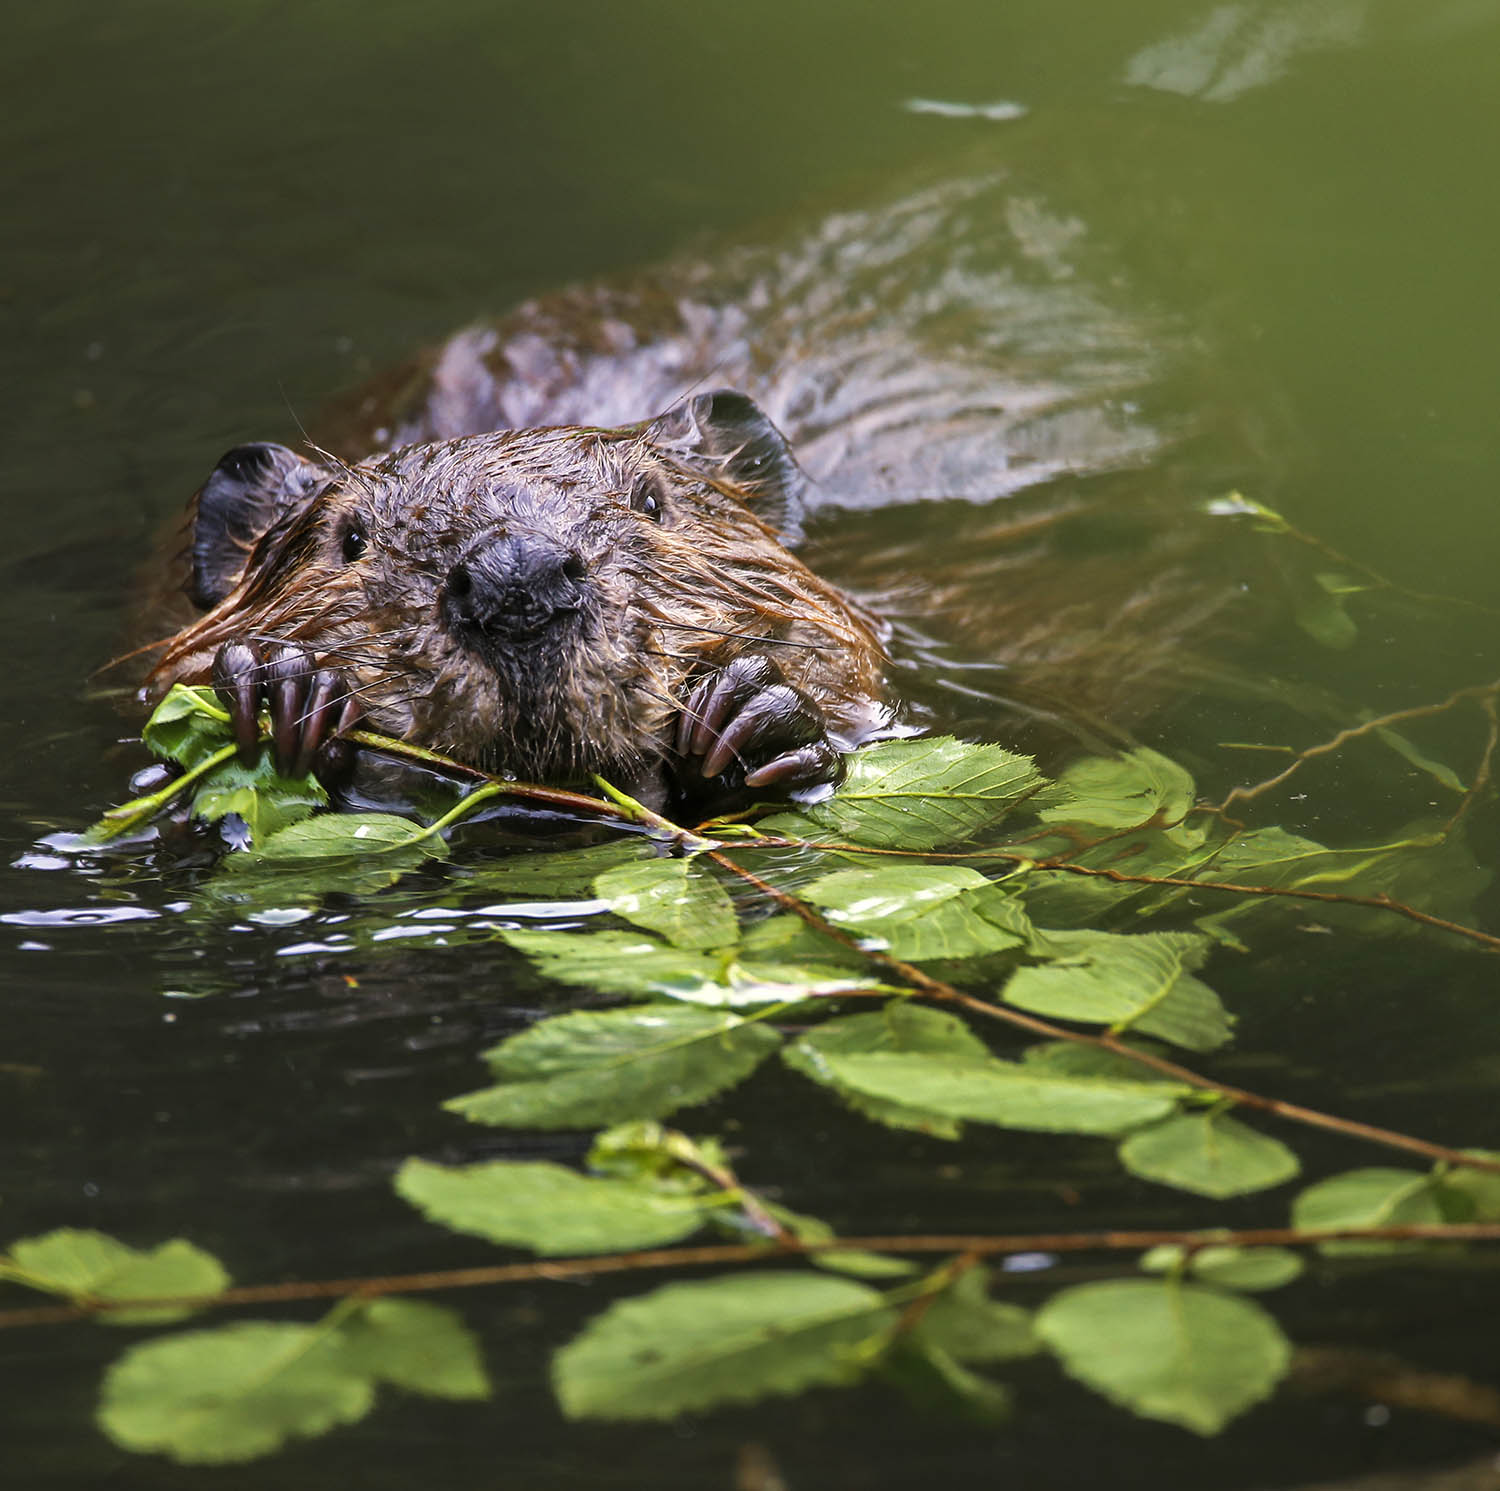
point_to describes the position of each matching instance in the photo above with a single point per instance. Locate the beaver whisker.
(714, 631)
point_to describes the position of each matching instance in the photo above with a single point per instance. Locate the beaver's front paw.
(751, 726)
(310, 707)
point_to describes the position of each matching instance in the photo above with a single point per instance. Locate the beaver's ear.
(250, 488)
(729, 437)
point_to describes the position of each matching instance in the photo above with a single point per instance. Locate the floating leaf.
(1137, 787)
(337, 835)
(1251, 1269)
(553, 874)
(1141, 982)
(634, 963)
(1178, 1352)
(92, 1266)
(726, 1340)
(971, 1327)
(1004, 1093)
(673, 897)
(218, 1396)
(1074, 1059)
(1377, 1196)
(548, 1208)
(266, 801)
(1209, 1154)
(421, 1347)
(1471, 1195)
(932, 1379)
(595, 1067)
(916, 794)
(900, 1025)
(922, 912)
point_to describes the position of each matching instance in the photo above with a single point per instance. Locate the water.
(217, 219)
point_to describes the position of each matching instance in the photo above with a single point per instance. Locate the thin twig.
(979, 1246)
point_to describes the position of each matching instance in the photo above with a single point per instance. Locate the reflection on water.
(1199, 248)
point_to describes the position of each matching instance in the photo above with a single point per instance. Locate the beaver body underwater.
(538, 572)
(546, 604)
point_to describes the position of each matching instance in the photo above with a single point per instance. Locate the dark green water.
(220, 214)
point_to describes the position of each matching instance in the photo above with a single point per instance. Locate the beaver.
(508, 554)
(545, 604)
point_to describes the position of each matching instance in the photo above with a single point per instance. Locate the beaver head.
(535, 602)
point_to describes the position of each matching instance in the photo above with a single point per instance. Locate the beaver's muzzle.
(512, 589)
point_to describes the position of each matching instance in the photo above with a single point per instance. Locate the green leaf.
(728, 1340)
(554, 874)
(1209, 1154)
(1177, 1352)
(856, 1261)
(673, 897)
(1251, 1269)
(548, 1208)
(931, 1379)
(421, 1347)
(265, 800)
(1472, 1195)
(91, 1266)
(634, 963)
(1407, 749)
(1114, 792)
(187, 726)
(900, 1025)
(596, 1067)
(969, 1326)
(1074, 1059)
(218, 1396)
(1321, 613)
(1377, 1196)
(922, 912)
(1005, 1093)
(1140, 982)
(915, 794)
(339, 835)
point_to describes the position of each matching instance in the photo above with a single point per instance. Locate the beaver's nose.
(512, 588)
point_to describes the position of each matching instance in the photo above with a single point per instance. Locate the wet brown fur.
(664, 601)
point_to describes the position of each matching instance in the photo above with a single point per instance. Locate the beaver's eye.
(645, 501)
(355, 544)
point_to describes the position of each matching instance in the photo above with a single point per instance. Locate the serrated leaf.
(969, 1326)
(1138, 787)
(931, 1379)
(91, 1266)
(1209, 1154)
(1471, 1195)
(1005, 1093)
(183, 727)
(266, 801)
(548, 1208)
(1074, 1059)
(415, 1345)
(1250, 1269)
(553, 874)
(1377, 1196)
(922, 912)
(675, 898)
(1177, 1352)
(728, 1340)
(1137, 981)
(916, 794)
(219, 1396)
(342, 835)
(635, 963)
(900, 1025)
(596, 1067)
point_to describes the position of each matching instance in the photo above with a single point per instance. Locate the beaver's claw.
(310, 707)
(747, 720)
